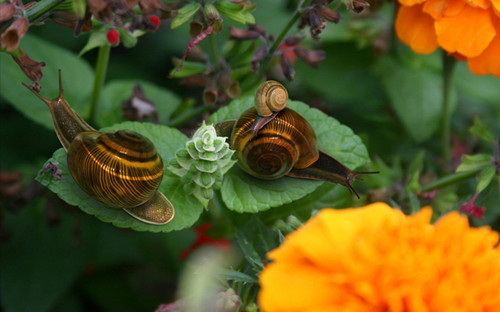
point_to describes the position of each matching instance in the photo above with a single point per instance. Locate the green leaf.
(167, 141)
(237, 276)
(237, 12)
(470, 162)
(480, 130)
(188, 69)
(40, 263)
(414, 171)
(77, 79)
(184, 14)
(485, 177)
(96, 39)
(117, 91)
(244, 193)
(416, 96)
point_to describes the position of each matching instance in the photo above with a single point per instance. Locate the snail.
(285, 145)
(121, 169)
(270, 98)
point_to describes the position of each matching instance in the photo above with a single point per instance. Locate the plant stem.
(448, 66)
(255, 79)
(189, 115)
(451, 179)
(100, 75)
(38, 11)
(213, 50)
(282, 34)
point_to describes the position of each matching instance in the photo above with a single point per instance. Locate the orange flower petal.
(488, 62)
(416, 29)
(410, 2)
(483, 4)
(439, 8)
(468, 33)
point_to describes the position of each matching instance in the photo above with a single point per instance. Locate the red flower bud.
(155, 20)
(113, 36)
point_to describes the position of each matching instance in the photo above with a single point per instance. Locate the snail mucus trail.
(121, 169)
(281, 142)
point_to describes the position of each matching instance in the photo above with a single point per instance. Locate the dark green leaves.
(416, 96)
(167, 142)
(77, 77)
(244, 193)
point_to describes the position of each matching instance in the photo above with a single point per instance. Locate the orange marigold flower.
(470, 28)
(376, 258)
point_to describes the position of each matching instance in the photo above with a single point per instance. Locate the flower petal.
(488, 62)
(416, 29)
(439, 8)
(468, 33)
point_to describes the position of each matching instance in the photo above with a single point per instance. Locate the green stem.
(100, 76)
(39, 11)
(451, 179)
(213, 50)
(282, 34)
(189, 115)
(448, 66)
(255, 79)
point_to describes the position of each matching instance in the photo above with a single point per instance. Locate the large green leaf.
(244, 193)
(416, 95)
(77, 77)
(117, 91)
(167, 141)
(40, 263)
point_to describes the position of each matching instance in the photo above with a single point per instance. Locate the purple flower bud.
(287, 67)
(311, 57)
(241, 34)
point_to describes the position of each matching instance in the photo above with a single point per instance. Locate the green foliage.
(115, 92)
(75, 72)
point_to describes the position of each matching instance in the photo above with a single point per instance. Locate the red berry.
(155, 20)
(113, 36)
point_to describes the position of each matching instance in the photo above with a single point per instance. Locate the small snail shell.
(120, 169)
(271, 96)
(286, 142)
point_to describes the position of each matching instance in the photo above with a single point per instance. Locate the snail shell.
(120, 169)
(286, 142)
(271, 96)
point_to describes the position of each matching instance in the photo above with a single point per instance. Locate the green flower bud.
(202, 164)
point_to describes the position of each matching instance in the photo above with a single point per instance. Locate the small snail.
(120, 169)
(270, 98)
(285, 145)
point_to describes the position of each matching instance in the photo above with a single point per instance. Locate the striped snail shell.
(286, 142)
(271, 96)
(120, 169)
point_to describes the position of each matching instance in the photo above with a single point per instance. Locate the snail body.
(121, 169)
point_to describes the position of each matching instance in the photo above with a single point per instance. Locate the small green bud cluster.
(203, 163)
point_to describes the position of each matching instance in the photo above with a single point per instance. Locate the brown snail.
(284, 145)
(120, 169)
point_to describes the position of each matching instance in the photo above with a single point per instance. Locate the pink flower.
(470, 207)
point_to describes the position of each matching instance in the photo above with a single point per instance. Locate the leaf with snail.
(167, 141)
(244, 193)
